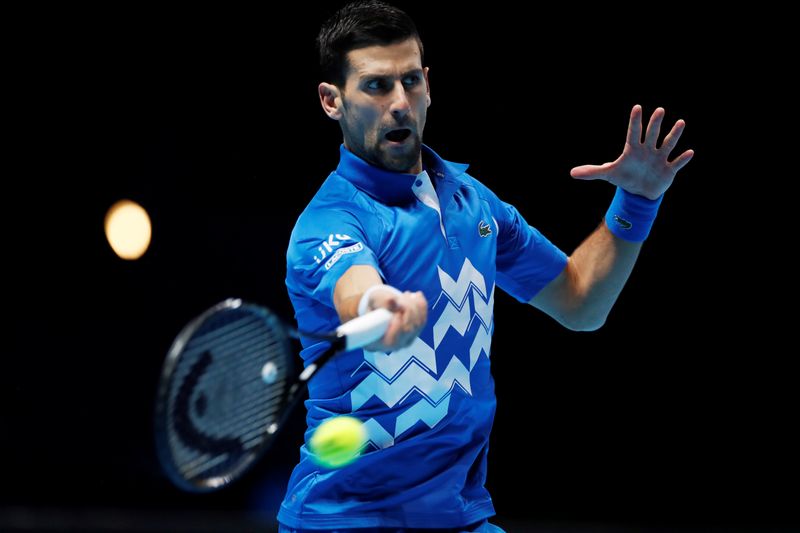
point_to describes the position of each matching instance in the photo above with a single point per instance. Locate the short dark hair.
(358, 25)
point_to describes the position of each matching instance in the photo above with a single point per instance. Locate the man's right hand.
(410, 312)
(410, 308)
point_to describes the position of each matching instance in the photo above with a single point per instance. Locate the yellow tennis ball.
(338, 441)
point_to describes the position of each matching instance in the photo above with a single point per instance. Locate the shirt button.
(418, 183)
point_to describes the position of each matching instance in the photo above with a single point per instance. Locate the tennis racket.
(228, 385)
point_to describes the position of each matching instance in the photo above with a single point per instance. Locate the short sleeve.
(324, 244)
(526, 260)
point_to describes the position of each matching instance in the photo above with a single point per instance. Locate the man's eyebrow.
(372, 75)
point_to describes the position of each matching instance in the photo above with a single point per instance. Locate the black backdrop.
(679, 410)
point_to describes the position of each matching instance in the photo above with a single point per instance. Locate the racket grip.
(365, 329)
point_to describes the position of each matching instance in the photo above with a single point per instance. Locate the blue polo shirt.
(428, 408)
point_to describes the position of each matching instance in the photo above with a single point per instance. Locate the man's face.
(384, 105)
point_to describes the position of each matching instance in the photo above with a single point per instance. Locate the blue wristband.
(631, 216)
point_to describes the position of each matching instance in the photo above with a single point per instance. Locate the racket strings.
(220, 408)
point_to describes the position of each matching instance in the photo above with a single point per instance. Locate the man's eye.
(410, 81)
(376, 85)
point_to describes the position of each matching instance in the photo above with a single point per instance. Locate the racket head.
(222, 394)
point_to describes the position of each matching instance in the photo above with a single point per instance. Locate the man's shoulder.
(335, 195)
(335, 188)
(480, 188)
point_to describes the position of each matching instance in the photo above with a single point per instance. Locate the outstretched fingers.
(680, 161)
(654, 127)
(643, 167)
(672, 137)
(635, 126)
(591, 172)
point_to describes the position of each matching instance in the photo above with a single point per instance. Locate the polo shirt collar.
(395, 188)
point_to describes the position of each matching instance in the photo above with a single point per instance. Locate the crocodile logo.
(484, 230)
(624, 224)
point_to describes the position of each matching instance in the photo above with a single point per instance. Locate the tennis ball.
(338, 441)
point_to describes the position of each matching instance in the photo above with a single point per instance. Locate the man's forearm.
(350, 287)
(601, 267)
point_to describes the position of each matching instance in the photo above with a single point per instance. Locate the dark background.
(681, 410)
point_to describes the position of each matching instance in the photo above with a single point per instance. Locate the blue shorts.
(480, 527)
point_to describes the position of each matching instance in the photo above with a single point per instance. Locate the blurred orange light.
(128, 229)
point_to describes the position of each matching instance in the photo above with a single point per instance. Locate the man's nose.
(400, 105)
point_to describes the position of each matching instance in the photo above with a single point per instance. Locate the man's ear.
(427, 86)
(330, 97)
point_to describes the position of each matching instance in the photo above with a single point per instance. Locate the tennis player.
(397, 226)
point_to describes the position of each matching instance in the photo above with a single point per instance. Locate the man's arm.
(581, 296)
(410, 308)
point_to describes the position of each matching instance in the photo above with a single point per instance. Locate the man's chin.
(401, 158)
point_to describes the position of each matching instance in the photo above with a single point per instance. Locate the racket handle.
(365, 329)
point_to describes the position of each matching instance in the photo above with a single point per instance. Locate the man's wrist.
(631, 216)
(363, 303)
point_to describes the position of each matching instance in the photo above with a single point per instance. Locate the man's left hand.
(643, 168)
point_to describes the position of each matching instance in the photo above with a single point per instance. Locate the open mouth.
(398, 136)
